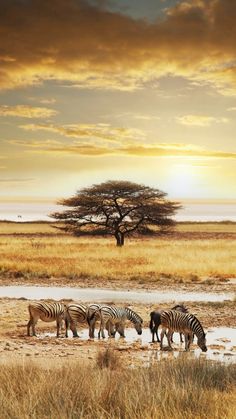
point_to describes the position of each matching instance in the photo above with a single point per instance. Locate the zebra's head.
(202, 342)
(138, 325)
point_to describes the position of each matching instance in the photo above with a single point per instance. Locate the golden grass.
(151, 259)
(180, 389)
(42, 254)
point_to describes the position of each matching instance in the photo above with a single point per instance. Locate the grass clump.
(182, 389)
(108, 358)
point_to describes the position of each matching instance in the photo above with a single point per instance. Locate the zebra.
(94, 315)
(46, 312)
(155, 318)
(185, 323)
(116, 316)
(75, 313)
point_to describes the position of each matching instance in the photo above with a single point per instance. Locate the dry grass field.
(179, 389)
(35, 252)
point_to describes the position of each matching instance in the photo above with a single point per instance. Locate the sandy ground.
(16, 346)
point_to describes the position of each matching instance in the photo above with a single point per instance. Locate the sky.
(133, 90)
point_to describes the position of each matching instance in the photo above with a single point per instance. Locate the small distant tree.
(118, 208)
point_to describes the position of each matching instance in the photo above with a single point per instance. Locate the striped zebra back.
(77, 312)
(47, 311)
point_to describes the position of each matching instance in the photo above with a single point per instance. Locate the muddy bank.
(15, 345)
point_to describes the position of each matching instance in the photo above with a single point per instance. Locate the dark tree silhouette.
(118, 208)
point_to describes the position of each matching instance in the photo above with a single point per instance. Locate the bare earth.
(16, 346)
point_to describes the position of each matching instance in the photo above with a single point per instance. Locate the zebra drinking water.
(46, 312)
(185, 323)
(93, 316)
(116, 316)
(154, 322)
(76, 313)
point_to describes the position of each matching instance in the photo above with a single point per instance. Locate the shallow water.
(222, 338)
(106, 295)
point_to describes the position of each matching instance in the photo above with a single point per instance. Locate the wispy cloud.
(25, 111)
(14, 180)
(200, 120)
(98, 131)
(134, 149)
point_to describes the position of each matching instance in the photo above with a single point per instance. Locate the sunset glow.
(94, 90)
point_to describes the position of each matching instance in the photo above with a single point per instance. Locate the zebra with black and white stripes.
(112, 316)
(154, 322)
(47, 312)
(76, 313)
(186, 323)
(94, 315)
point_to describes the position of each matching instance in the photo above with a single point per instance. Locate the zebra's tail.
(93, 315)
(151, 324)
(155, 320)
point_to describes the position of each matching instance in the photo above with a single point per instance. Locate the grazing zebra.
(94, 315)
(76, 313)
(116, 316)
(154, 322)
(185, 323)
(46, 312)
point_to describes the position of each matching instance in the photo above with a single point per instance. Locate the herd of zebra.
(113, 318)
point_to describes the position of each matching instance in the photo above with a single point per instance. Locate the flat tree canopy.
(118, 208)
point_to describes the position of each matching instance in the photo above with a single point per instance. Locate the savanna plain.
(46, 377)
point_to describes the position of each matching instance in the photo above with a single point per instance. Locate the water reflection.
(221, 343)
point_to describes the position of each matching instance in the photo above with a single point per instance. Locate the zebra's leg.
(34, 322)
(186, 339)
(59, 325)
(29, 324)
(163, 332)
(190, 339)
(181, 337)
(101, 329)
(74, 329)
(92, 328)
(121, 330)
(155, 332)
(169, 335)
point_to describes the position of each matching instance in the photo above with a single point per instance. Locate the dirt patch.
(15, 345)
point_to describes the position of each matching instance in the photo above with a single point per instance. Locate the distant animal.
(111, 316)
(154, 322)
(185, 323)
(47, 312)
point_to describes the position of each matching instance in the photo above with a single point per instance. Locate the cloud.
(25, 111)
(200, 120)
(13, 180)
(34, 143)
(83, 44)
(134, 149)
(98, 131)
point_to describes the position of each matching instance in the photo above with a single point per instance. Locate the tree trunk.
(120, 238)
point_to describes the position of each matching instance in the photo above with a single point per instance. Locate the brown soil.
(16, 346)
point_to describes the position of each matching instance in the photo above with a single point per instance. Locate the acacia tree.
(118, 208)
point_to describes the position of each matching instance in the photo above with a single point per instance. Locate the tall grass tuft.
(182, 389)
(108, 358)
